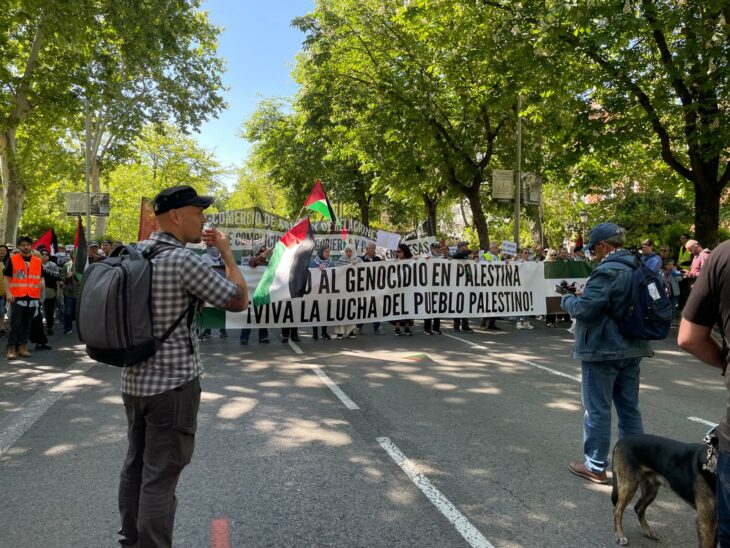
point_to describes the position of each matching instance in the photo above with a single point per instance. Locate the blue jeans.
(604, 382)
(69, 313)
(246, 333)
(722, 473)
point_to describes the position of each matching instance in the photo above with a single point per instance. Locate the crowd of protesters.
(59, 287)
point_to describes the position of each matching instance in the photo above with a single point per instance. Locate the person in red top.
(23, 286)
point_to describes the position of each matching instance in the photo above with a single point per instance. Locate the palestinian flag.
(49, 241)
(317, 201)
(286, 275)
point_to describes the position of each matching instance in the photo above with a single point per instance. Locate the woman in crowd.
(403, 252)
(4, 258)
(321, 260)
(348, 258)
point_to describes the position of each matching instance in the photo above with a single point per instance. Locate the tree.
(655, 70)
(157, 161)
(40, 53)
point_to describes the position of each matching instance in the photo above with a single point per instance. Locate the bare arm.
(8, 295)
(698, 341)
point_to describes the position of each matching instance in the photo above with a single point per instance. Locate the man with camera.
(609, 360)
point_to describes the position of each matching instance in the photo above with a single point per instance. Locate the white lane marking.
(336, 390)
(470, 343)
(514, 360)
(34, 408)
(295, 347)
(470, 533)
(702, 421)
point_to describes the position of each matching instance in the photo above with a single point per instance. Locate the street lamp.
(583, 218)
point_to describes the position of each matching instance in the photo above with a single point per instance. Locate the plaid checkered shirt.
(178, 276)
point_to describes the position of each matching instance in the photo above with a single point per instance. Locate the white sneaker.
(528, 325)
(520, 325)
(571, 329)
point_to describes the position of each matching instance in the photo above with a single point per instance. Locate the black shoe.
(43, 347)
(428, 332)
(315, 337)
(244, 343)
(295, 338)
(397, 332)
(326, 337)
(457, 330)
(467, 330)
(437, 332)
(223, 334)
(263, 341)
(285, 340)
(407, 331)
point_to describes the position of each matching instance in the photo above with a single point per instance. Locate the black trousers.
(428, 322)
(161, 432)
(20, 319)
(49, 308)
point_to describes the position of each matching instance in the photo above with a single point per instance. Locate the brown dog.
(643, 461)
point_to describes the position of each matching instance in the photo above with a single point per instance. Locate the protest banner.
(398, 290)
(509, 248)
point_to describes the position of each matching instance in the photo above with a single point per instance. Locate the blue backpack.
(649, 314)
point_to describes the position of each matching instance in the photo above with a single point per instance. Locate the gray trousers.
(161, 432)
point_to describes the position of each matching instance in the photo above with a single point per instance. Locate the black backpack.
(114, 315)
(650, 312)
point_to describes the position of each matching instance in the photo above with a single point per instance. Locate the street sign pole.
(87, 159)
(518, 171)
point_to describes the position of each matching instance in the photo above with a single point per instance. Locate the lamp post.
(583, 220)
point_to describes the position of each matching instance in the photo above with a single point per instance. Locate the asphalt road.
(304, 444)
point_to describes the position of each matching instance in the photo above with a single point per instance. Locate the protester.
(664, 253)
(539, 253)
(685, 256)
(4, 260)
(52, 280)
(522, 321)
(370, 257)
(648, 257)
(71, 294)
(36, 335)
(403, 252)
(708, 304)
(563, 255)
(491, 256)
(92, 253)
(106, 247)
(162, 395)
(348, 258)
(609, 360)
(23, 286)
(461, 325)
(699, 257)
(579, 254)
(671, 277)
(259, 259)
(321, 261)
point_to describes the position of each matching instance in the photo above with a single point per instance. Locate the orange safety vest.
(26, 280)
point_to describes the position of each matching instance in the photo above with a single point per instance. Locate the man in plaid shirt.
(162, 395)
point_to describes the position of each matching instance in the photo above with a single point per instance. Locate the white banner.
(398, 290)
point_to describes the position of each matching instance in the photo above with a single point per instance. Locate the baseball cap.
(93, 243)
(602, 232)
(107, 242)
(179, 196)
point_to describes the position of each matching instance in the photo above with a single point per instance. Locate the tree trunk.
(478, 217)
(430, 206)
(707, 213)
(101, 222)
(365, 211)
(13, 192)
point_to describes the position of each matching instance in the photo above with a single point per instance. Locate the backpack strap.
(189, 311)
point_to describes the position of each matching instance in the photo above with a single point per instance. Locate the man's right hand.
(216, 238)
(10, 297)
